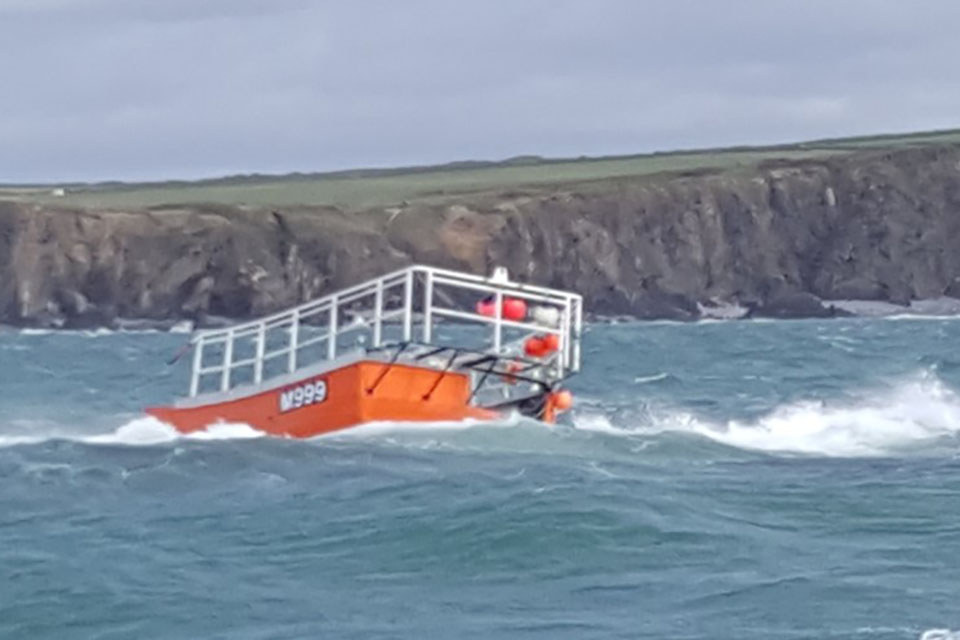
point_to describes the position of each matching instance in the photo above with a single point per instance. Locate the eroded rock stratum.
(777, 240)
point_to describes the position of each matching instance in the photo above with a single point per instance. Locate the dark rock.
(882, 226)
(795, 305)
(953, 289)
(859, 288)
(669, 306)
(90, 319)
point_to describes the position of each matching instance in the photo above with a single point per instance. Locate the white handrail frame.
(373, 304)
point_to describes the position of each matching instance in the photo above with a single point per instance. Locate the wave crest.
(142, 431)
(916, 415)
(921, 416)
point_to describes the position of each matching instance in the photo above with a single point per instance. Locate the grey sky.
(141, 89)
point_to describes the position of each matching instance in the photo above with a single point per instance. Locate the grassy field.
(887, 141)
(368, 188)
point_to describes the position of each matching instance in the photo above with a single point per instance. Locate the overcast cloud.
(152, 89)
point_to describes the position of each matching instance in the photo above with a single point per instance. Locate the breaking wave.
(148, 430)
(919, 415)
(142, 431)
(940, 634)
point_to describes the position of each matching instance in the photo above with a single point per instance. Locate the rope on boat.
(436, 383)
(386, 368)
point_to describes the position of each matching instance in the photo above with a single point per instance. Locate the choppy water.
(729, 480)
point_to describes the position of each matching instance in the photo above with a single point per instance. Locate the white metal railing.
(402, 303)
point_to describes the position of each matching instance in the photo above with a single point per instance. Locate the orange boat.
(421, 344)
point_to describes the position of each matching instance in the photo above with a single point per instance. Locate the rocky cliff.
(777, 240)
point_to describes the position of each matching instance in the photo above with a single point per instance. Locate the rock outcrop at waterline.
(775, 241)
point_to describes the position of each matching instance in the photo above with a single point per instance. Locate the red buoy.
(534, 347)
(513, 308)
(562, 400)
(551, 342)
(486, 307)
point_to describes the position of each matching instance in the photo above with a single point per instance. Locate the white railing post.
(378, 314)
(332, 329)
(197, 364)
(498, 321)
(577, 334)
(563, 357)
(428, 308)
(408, 307)
(565, 342)
(294, 340)
(227, 362)
(258, 361)
(373, 296)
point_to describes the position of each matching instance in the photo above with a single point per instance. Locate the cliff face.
(875, 226)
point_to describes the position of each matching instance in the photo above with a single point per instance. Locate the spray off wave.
(148, 431)
(142, 431)
(913, 417)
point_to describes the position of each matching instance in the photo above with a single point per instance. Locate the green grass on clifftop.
(368, 188)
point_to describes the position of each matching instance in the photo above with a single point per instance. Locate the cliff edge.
(776, 240)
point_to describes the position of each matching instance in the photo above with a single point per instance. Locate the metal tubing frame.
(294, 340)
(227, 363)
(428, 307)
(197, 366)
(332, 328)
(498, 321)
(408, 306)
(378, 315)
(259, 358)
(373, 294)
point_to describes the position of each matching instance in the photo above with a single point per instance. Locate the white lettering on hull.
(303, 395)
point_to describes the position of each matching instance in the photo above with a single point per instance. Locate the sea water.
(739, 480)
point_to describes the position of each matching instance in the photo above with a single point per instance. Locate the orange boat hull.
(366, 391)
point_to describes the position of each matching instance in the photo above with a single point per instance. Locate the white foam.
(184, 326)
(918, 415)
(99, 332)
(12, 441)
(142, 431)
(380, 428)
(720, 310)
(940, 634)
(146, 430)
(912, 416)
(599, 423)
(226, 431)
(654, 378)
